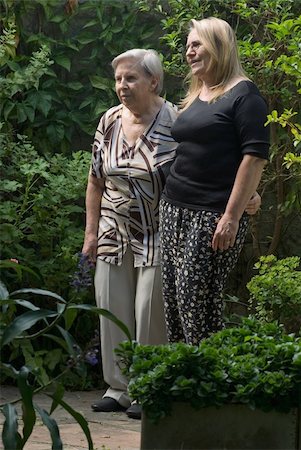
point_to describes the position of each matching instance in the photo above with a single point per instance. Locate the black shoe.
(107, 404)
(134, 411)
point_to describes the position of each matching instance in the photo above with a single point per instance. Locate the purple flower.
(83, 276)
(91, 357)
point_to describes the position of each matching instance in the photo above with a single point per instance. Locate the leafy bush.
(83, 38)
(44, 354)
(276, 291)
(42, 209)
(258, 365)
(32, 372)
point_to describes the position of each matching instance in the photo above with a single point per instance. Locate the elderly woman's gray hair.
(148, 60)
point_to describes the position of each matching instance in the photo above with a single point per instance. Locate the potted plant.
(239, 389)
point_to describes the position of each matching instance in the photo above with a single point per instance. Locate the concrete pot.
(229, 427)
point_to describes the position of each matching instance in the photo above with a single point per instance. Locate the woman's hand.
(90, 247)
(254, 204)
(225, 233)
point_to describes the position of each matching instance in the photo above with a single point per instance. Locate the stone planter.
(229, 427)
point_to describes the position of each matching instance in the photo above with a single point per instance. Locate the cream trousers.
(134, 295)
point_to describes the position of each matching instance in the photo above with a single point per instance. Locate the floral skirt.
(193, 274)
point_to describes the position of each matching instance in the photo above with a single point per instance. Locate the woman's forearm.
(93, 200)
(246, 182)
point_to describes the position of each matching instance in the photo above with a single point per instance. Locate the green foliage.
(257, 365)
(62, 111)
(42, 208)
(276, 291)
(22, 329)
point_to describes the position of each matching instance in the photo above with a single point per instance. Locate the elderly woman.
(132, 153)
(223, 148)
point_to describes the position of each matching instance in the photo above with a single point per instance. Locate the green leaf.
(39, 292)
(19, 268)
(70, 341)
(30, 112)
(63, 61)
(57, 19)
(100, 82)
(3, 291)
(9, 106)
(44, 105)
(86, 40)
(29, 415)
(10, 436)
(85, 103)
(77, 416)
(69, 316)
(58, 395)
(56, 339)
(10, 185)
(91, 23)
(21, 113)
(75, 85)
(52, 427)
(105, 313)
(23, 323)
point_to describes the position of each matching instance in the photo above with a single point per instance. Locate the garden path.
(109, 431)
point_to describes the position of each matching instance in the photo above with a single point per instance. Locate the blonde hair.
(148, 60)
(219, 39)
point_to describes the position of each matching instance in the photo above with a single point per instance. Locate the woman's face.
(197, 57)
(132, 85)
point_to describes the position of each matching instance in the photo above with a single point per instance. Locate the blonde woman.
(222, 150)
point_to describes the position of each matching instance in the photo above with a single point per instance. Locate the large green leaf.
(69, 317)
(77, 416)
(63, 61)
(29, 415)
(105, 313)
(74, 351)
(10, 437)
(57, 339)
(52, 427)
(23, 323)
(7, 264)
(70, 341)
(102, 83)
(25, 304)
(58, 395)
(39, 292)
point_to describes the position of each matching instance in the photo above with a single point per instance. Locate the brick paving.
(109, 431)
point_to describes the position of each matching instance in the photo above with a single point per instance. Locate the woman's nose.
(123, 83)
(189, 50)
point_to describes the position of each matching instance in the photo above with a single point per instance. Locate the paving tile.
(109, 431)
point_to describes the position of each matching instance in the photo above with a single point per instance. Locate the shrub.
(257, 365)
(276, 291)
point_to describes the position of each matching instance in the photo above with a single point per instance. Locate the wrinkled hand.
(254, 204)
(225, 233)
(90, 247)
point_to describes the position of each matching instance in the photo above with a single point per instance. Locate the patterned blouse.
(134, 179)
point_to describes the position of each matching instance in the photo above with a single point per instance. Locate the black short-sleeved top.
(213, 138)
